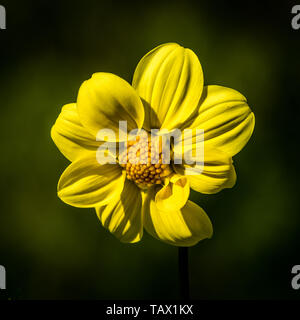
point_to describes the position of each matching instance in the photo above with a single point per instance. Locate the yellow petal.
(215, 173)
(227, 120)
(85, 183)
(213, 180)
(184, 227)
(106, 99)
(170, 81)
(174, 195)
(122, 216)
(71, 138)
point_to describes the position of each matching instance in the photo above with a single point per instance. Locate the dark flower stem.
(183, 264)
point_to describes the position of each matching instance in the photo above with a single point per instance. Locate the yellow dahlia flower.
(167, 92)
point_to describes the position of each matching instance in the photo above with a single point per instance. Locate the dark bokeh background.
(54, 251)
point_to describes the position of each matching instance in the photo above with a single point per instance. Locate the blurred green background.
(54, 251)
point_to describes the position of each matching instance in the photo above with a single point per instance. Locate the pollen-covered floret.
(143, 162)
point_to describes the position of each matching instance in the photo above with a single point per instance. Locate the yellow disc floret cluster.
(143, 164)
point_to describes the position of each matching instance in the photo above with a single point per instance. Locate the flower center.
(143, 163)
